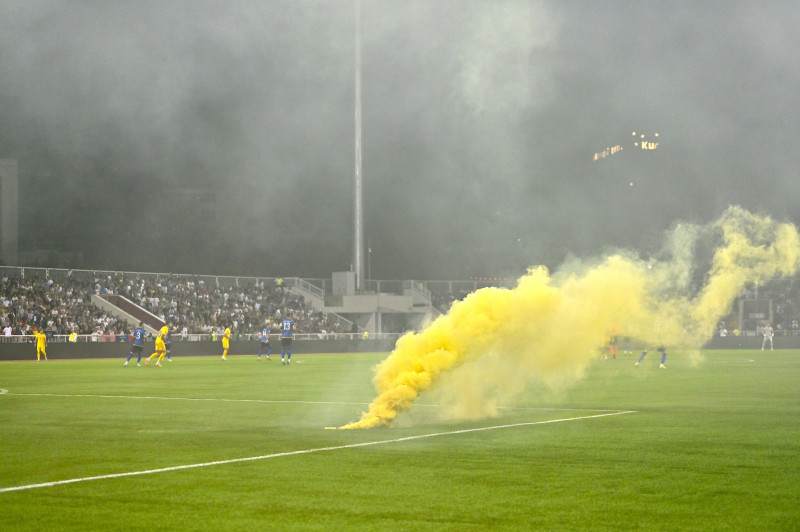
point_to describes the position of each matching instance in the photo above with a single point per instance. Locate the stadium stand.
(62, 304)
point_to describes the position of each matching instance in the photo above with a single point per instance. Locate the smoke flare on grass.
(551, 327)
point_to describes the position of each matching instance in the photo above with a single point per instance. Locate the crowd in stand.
(190, 304)
(199, 308)
(196, 307)
(787, 309)
(56, 308)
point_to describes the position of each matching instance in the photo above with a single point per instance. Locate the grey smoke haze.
(480, 120)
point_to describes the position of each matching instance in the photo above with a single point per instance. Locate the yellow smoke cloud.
(551, 327)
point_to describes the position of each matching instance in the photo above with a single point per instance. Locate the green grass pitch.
(206, 444)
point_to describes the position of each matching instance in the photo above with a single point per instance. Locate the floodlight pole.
(358, 251)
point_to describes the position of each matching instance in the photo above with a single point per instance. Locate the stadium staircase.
(375, 312)
(125, 309)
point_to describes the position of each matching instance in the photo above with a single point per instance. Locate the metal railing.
(204, 337)
(417, 288)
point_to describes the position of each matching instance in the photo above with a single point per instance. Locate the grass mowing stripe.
(304, 451)
(224, 400)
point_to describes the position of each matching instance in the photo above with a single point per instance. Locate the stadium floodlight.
(358, 236)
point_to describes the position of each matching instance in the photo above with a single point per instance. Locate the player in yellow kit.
(226, 343)
(161, 349)
(41, 342)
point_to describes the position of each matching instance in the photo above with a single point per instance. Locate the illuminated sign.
(640, 141)
(607, 152)
(645, 144)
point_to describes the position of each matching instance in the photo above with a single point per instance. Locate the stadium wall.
(67, 350)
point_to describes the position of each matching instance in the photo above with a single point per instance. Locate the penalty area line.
(304, 451)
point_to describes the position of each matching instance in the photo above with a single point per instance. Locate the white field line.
(304, 451)
(285, 401)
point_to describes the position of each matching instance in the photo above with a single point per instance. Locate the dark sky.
(218, 137)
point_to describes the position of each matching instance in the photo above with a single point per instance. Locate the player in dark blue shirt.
(287, 335)
(265, 342)
(167, 331)
(661, 350)
(139, 336)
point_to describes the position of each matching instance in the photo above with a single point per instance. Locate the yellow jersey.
(226, 338)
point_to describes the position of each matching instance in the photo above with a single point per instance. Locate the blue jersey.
(138, 336)
(168, 337)
(287, 327)
(265, 334)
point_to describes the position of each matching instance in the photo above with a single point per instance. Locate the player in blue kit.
(166, 333)
(287, 335)
(265, 342)
(661, 350)
(139, 336)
